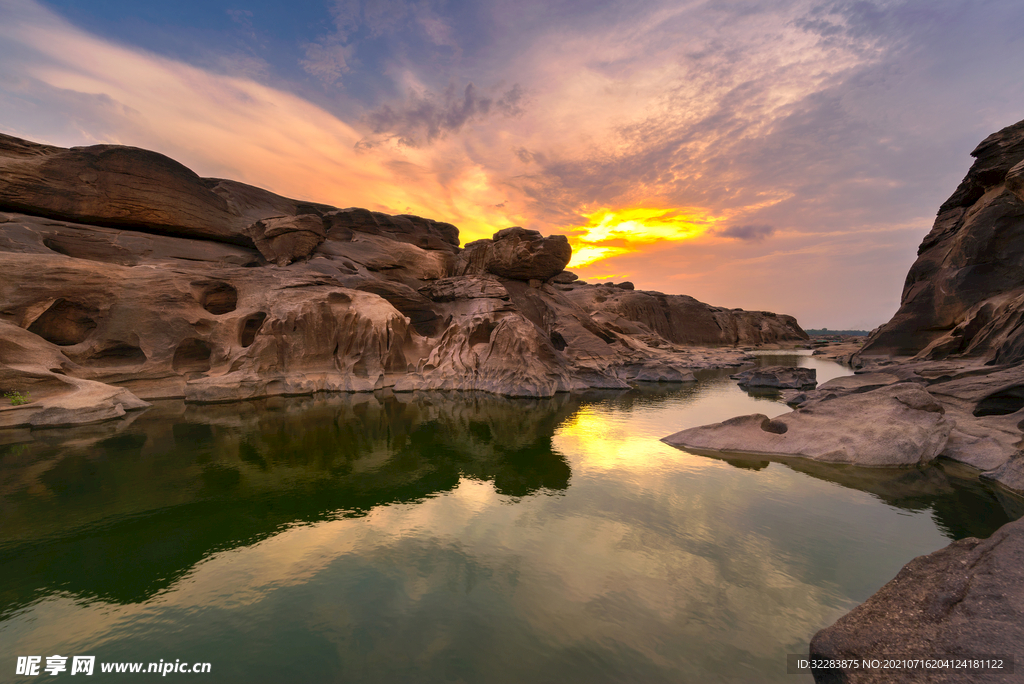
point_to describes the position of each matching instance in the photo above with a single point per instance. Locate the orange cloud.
(234, 127)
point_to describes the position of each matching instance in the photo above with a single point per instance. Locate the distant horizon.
(763, 155)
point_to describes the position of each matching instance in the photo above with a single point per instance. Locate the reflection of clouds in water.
(607, 573)
(548, 579)
(651, 564)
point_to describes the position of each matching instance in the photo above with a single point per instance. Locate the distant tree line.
(826, 331)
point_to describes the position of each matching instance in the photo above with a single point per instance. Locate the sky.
(760, 154)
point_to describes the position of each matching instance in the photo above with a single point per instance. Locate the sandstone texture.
(778, 377)
(964, 295)
(963, 599)
(128, 278)
(899, 425)
(958, 339)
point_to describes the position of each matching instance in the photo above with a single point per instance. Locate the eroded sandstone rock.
(894, 426)
(684, 320)
(964, 295)
(284, 239)
(967, 598)
(778, 377)
(170, 295)
(112, 185)
(516, 253)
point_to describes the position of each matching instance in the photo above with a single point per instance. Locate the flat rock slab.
(967, 598)
(861, 382)
(778, 377)
(898, 425)
(847, 384)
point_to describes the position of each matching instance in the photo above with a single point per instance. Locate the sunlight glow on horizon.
(611, 232)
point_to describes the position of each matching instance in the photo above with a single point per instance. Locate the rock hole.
(64, 323)
(1009, 400)
(481, 334)
(55, 246)
(117, 354)
(558, 340)
(774, 427)
(192, 356)
(250, 327)
(215, 296)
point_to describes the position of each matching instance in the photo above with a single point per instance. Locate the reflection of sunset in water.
(449, 537)
(600, 439)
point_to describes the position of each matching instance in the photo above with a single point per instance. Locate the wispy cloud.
(89, 90)
(327, 60)
(664, 137)
(425, 117)
(754, 232)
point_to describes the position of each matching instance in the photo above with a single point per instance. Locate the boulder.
(651, 372)
(778, 377)
(113, 185)
(564, 278)
(284, 239)
(894, 426)
(518, 254)
(965, 599)
(685, 321)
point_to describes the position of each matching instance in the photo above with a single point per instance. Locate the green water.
(436, 537)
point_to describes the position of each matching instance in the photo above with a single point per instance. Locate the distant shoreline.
(826, 331)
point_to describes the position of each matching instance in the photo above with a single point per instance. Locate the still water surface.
(438, 537)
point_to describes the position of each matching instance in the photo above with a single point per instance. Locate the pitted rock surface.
(148, 282)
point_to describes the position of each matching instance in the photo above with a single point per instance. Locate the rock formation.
(899, 425)
(129, 278)
(777, 377)
(956, 343)
(953, 357)
(964, 599)
(964, 295)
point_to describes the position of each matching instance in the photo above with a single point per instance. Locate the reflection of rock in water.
(961, 505)
(121, 510)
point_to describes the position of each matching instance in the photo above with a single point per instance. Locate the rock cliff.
(964, 295)
(128, 278)
(956, 344)
(944, 377)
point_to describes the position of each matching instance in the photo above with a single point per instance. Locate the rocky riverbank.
(943, 379)
(128, 278)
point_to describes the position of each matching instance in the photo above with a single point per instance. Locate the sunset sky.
(778, 155)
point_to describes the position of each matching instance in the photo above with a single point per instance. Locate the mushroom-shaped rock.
(526, 254)
(518, 254)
